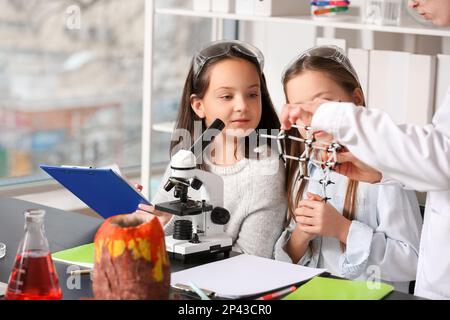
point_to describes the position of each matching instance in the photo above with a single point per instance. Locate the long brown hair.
(186, 115)
(349, 83)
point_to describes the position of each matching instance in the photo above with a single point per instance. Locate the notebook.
(321, 288)
(82, 256)
(244, 276)
(102, 189)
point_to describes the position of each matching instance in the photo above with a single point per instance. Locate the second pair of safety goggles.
(327, 52)
(222, 48)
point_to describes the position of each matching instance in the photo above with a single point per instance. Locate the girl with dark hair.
(225, 81)
(364, 231)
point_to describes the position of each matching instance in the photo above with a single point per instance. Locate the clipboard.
(103, 190)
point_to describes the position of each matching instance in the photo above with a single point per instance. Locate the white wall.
(280, 43)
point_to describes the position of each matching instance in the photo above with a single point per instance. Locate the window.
(70, 84)
(176, 38)
(71, 76)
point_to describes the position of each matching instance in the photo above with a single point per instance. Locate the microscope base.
(208, 246)
(208, 256)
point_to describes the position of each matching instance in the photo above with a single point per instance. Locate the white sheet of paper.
(244, 275)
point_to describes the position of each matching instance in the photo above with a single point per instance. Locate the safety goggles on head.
(327, 52)
(222, 48)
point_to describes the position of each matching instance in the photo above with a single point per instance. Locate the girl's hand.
(163, 217)
(298, 243)
(301, 235)
(321, 219)
(300, 114)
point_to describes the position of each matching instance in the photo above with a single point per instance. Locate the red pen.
(277, 294)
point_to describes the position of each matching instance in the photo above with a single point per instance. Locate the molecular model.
(309, 156)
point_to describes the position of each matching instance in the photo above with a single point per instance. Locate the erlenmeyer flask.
(33, 276)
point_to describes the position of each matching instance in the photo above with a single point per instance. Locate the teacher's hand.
(355, 169)
(300, 114)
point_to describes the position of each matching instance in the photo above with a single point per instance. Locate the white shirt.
(418, 157)
(383, 238)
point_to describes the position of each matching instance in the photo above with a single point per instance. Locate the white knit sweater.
(254, 194)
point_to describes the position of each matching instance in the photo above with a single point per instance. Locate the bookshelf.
(409, 28)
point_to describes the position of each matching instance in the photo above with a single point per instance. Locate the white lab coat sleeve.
(391, 249)
(416, 156)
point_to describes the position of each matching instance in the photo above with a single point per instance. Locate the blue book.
(103, 190)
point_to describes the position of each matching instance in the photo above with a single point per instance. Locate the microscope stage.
(188, 208)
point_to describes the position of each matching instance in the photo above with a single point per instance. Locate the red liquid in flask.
(33, 278)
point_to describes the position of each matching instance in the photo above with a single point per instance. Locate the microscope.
(200, 230)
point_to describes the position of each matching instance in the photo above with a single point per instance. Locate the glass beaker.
(383, 12)
(33, 276)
